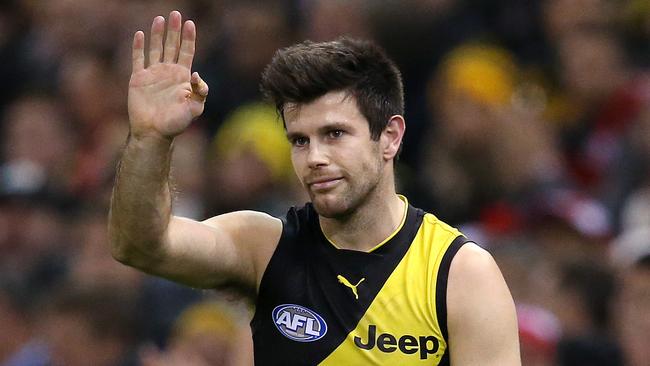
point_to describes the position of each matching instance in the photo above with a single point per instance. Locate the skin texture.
(348, 176)
(355, 197)
(336, 184)
(481, 313)
(164, 97)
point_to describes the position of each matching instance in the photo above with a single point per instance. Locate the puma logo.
(347, 283)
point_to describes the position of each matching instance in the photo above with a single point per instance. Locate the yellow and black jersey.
(320, 305)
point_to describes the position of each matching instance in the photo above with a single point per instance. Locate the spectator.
(485, 149)
(252, 162)
(583, 304)
(206, 333)
(90, 326)
(532, 117)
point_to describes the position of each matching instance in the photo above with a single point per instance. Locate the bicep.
(482, 321)
(230, 248)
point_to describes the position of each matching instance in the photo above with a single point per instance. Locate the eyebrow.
(293, 135)
(336, 125)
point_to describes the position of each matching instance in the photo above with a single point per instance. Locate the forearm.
(141, 201)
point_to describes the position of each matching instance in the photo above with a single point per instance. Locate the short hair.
(306, 71)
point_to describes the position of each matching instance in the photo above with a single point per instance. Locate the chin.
(331, 208)
(330, 213)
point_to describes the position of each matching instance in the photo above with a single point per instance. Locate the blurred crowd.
(528, 127)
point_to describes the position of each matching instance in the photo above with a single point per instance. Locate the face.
(334, 157)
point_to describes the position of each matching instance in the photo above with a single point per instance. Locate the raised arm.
(164, 98)
(481, 319)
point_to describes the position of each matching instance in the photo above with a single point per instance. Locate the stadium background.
(528, 127)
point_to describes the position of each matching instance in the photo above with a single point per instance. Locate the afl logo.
(299, 323)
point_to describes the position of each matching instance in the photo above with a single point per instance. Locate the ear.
(391, 136)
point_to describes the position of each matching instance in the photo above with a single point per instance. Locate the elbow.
(131, 255)
(134, 253)
(120, 252)
(119, 244)
(120, 256)
(132, 248)
(123, 249)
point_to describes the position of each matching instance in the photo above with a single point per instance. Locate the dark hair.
(306, 71)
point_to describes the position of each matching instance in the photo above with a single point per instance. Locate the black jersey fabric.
(304, 311)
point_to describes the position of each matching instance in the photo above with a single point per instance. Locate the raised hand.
(164, 96)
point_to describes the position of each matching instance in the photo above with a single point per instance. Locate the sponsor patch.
(407, 344)
(299, 323)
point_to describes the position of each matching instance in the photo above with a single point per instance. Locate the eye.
(335, 134)
(299, 141)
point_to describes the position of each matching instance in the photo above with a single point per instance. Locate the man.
(357, 276)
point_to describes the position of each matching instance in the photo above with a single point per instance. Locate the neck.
(370, 224)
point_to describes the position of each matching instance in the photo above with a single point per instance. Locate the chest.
(321, 305)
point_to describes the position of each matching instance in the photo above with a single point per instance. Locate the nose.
(317, 156)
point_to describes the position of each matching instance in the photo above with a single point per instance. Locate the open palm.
(164, 96)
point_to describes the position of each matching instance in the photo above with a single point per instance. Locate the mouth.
(324, 184)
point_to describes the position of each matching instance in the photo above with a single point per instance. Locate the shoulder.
(260, 233)
(473, 262)
(263, 227)
(443, 238)
(299, 219)
(473, 271)
(481, 317)
(253, 238)
(432, 220)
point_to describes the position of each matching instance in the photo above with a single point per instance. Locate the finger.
(138, 51)
(173, 37)
(155, 46)
(199, 86)
(186, 53)
(198, 96)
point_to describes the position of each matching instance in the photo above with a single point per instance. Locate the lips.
(324, 183)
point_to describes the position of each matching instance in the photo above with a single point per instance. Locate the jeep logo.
(407, 344)
(299, 323)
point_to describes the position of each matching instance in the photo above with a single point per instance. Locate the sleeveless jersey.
(320, 305)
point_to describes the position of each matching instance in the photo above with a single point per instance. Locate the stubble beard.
(345, 204)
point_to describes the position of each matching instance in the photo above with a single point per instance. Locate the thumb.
(199, 94)
(200, 88)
